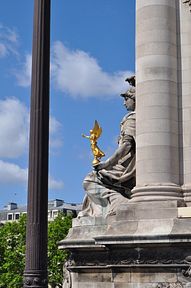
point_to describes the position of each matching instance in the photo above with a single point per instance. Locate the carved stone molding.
(187, 273)
(35, 282)
(67, 274)
(125, 261)
(188, 2)
(169, 285)
(132, 257)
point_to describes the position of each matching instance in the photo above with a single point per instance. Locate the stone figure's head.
(129, 95)
(131, 80)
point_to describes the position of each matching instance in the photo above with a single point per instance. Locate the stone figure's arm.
(119, 153)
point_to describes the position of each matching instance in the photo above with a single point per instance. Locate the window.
(55, 213)
(10, 217)
(17, 216)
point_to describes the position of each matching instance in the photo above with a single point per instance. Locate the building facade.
(12, 212)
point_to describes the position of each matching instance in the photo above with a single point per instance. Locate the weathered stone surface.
(147, 244)
(185, 39)
(88, 221)
(153, 277)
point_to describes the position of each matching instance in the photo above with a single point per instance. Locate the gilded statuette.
(94, 135)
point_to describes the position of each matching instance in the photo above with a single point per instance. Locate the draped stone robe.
(111, 182)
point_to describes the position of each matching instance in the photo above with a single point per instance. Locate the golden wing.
(97, 130)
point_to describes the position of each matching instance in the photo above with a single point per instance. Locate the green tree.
(57, 231)
(12, 251)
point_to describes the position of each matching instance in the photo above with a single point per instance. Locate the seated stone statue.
(110, 184)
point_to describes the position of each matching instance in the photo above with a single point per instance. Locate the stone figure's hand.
(99, 166)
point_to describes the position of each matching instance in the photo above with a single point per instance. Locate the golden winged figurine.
(94, 135)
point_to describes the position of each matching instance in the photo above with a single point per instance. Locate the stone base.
(134, 277)
(187, 194)
(143, 245)
(160, 192)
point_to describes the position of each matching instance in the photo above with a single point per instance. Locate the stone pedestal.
(139, 247)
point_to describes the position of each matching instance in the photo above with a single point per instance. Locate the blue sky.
(92, 52)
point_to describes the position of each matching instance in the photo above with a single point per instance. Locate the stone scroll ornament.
(188, 2)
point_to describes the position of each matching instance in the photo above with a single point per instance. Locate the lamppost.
(35, 274)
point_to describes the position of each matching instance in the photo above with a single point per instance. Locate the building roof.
(56, 204)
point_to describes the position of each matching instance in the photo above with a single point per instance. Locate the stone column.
(185, 59)
(157, 162)
(36, 241)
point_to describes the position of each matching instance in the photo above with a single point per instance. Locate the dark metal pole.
(35, 274)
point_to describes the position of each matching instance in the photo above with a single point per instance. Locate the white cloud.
(24, 75)
(8, 34)
(13, 128)
(3, 50)
(55, 125)
(11, 35)
(13, 174)
(55, 184)
(79, 74)
(8, 41)
(56, 140)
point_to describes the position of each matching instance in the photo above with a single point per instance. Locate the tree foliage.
(12, 251)
(57, 230)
